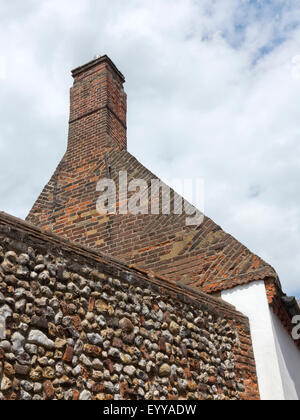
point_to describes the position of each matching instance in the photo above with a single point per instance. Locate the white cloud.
(213, 92)
(2, 68)
(296, 67)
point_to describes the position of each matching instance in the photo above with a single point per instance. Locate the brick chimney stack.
(97, 128)
(97, 110)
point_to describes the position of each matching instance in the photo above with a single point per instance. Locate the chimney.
(97, 127)
(97, 110)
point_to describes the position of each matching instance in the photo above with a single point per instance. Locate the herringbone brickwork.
(203, 257)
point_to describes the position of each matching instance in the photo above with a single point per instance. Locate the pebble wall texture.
(77, 325)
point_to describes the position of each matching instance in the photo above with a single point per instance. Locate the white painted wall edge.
(289, 360)
(251, 300)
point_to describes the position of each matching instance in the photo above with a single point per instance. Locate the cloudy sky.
(213, 92)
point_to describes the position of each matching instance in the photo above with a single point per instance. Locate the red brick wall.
(204, 256)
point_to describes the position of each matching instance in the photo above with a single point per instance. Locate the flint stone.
(126, 325)
(23, 259)
(165, 370)
(22, 370)
(174, 328)
(40, 339)
(6, 346)
(37, 388)
(5, 312)
(27, 386)
(85, 396)
(25, 396)
(130, 370)
(5, 384)
(85, 360)
(76, 371)
(95, 339)
(60, 343)
(18, 342)
(39, 322)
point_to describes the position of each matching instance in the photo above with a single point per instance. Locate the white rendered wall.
(251, 300)
(289, 360)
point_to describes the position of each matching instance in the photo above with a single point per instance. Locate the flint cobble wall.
(76, 325)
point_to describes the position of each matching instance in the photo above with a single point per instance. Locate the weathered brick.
(68, 354)
(48, 389)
